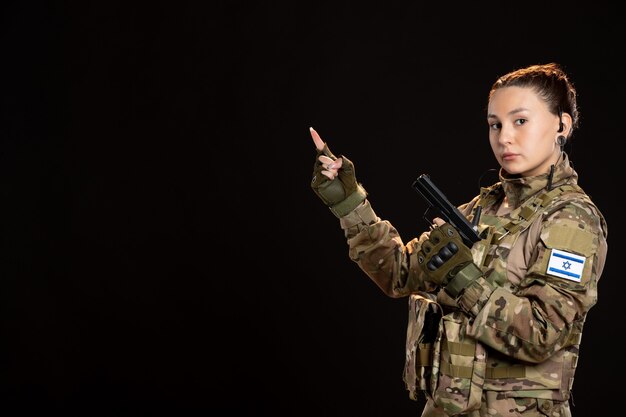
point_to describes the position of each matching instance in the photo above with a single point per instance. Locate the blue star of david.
(567, 265)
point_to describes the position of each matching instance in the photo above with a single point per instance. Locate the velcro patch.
(566, 265)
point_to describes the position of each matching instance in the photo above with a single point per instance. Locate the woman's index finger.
(319, 143)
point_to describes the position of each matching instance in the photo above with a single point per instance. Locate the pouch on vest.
(422, 331)
(459, 364)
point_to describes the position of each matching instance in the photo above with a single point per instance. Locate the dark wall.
(162, 251)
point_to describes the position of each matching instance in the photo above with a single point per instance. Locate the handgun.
(446, 211)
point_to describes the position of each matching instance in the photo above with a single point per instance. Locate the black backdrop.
(162, 251)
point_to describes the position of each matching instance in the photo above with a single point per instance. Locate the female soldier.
(495, 328)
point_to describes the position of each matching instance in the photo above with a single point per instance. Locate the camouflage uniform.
(522, 321)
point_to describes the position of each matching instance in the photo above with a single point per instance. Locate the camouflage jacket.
(528, 308)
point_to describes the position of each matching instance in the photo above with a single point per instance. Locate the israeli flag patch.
(566, 265)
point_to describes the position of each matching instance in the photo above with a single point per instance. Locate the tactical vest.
(452, 369)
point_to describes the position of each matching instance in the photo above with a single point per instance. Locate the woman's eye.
(495, 126)
(520, 121)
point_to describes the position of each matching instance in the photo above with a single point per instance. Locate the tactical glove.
(342, 194)
(445, 260)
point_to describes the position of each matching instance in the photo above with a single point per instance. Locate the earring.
(560, 140)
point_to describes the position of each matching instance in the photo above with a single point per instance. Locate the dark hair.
(550, 82)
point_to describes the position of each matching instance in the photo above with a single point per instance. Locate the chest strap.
(524, 215)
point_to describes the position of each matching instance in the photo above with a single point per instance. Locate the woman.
(495, 329)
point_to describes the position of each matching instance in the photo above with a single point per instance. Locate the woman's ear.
(565, 125)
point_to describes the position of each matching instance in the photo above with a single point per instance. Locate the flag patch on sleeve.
(566, 265)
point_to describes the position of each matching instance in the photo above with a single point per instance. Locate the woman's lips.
(509, 156)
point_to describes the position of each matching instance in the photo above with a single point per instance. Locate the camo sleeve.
(377, 248)
(548, 307)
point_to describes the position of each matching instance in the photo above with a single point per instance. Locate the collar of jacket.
(519, 189)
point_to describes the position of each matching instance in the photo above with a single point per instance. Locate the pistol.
(445, 210)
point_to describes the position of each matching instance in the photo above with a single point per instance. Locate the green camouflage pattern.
(459, 367)
(528, 322)
(422, 331)
(493, 404)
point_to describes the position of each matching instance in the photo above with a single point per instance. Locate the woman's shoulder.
(574, 208)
